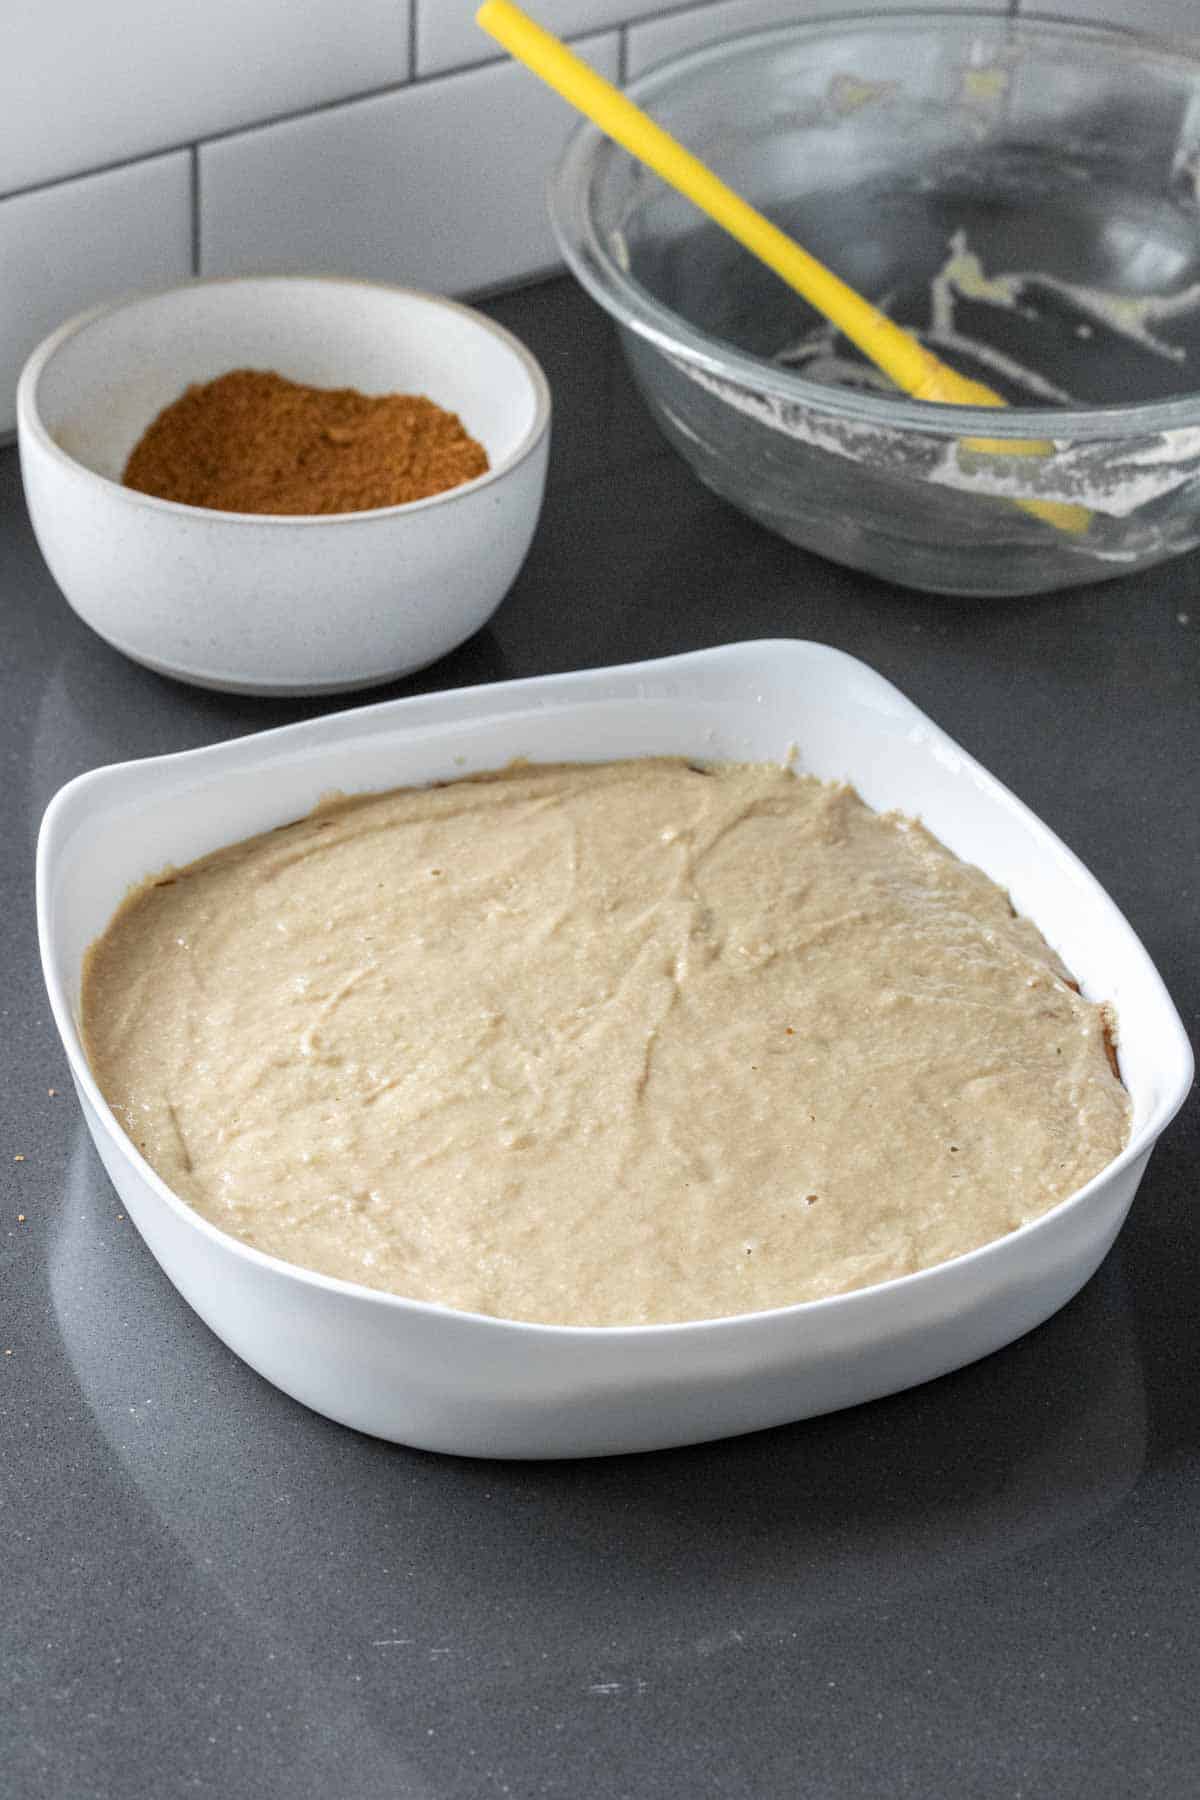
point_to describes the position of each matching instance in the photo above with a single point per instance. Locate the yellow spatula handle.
(910, 365)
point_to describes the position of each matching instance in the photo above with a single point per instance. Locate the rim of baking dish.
(1174, 1090)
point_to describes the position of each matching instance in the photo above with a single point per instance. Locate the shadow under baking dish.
(453, 1381)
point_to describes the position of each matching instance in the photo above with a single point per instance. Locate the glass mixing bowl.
(1022, 193)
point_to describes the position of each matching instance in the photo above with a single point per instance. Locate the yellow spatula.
(910, 365)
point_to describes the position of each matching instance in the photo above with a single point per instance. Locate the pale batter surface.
(607, 1044)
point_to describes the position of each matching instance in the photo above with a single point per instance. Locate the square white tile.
(448, 37)
(84, 83)
(659, 39)
(65, 248)
(441, 185)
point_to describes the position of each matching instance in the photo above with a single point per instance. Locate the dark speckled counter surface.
(989, 1586)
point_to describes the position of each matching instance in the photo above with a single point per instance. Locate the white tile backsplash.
(86, 82)
(381, 137)
(448, 37)
(70, 246)
(440, 185)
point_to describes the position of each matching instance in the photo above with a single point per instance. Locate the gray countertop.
(989, 1586)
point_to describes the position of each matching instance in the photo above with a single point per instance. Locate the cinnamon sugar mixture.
(251, 441)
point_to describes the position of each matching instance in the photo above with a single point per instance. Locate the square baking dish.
(453, 1381)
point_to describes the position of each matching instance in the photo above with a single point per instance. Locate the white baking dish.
(453, 1381)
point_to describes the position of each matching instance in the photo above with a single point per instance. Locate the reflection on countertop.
(1013, 1456)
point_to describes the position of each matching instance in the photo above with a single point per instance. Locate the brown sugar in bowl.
(253, 441)
(275, 603)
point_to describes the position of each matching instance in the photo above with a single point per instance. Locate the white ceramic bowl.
(446, 1380)
(264, 604)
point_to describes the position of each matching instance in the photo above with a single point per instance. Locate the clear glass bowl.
(1022, 192)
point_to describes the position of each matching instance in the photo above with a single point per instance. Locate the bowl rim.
(249, 751)
(633, 307)
(30, 423)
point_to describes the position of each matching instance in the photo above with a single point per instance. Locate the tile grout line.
(287, 117)
(215, 137)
